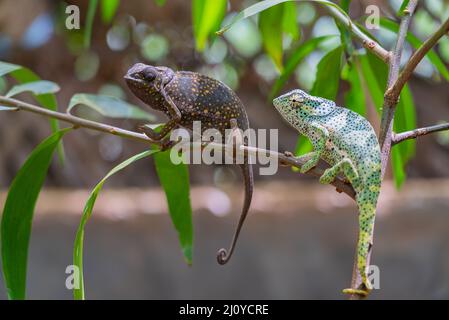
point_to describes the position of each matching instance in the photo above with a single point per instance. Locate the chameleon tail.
(366, 201)
(247, 170)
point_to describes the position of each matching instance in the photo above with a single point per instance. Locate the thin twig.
(76, 121)
(413, 134)
(386, 129)
(283, 158)
(366, 41)
(415, 59)
(390, 102)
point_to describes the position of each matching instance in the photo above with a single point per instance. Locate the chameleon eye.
(296, 99)
(148, 75)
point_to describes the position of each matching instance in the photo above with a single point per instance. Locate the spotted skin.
(348, 143)
(186, 97)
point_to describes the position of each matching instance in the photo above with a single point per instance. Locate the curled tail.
(223, 255)
(366, 201)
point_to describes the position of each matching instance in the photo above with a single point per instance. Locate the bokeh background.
(299, 239)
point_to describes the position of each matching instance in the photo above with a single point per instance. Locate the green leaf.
(175, 182)
(344, 4)
(328, 75)
(355, 96)
(266, 4)
(18, 215)
(405, 120)
(376, 81)
(207, 18)
(91, 10)
(294, 60)
(160, 2)
(79, 293)
(23, 76)
(111, 107)
(37, 88)
(270, 25)
(6, 68)
(290, 24)
(416, 43)
(109, 9)
(404, 5)
(398, 167)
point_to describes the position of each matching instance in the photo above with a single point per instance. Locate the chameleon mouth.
(277, 102)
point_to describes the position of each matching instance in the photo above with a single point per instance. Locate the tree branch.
(366, 41)
(415, 59)
(386, 127)
(283, 158)
(390, 102)
(413, 134)
(76, 121)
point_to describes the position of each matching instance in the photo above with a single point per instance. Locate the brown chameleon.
(186, 97)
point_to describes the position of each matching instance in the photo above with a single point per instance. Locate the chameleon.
(347, 142)
(185, 97)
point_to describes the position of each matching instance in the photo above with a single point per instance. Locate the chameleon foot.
(309, 165)
(363, 293)
(150, 133)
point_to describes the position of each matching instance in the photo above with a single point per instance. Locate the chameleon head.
(308, 105)
(147, 82)
(288, 102)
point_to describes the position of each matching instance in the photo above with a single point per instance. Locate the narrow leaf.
(175, 182)
(266, 4)
(294, 60)
(290, 24)
(111, 107)
(270, 25)
(404, 5)
(376, 81)
(18, 215)
(405, 120)
(79, 293)
(207, 17)
(6, 68)
(23, 76)
(328, 75)
(109, 9)
(36, 87)
(398, 167)
(92, 9)
(355, 97)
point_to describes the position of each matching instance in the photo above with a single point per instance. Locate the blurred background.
(299, 239)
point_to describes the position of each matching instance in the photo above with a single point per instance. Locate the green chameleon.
(347, 142)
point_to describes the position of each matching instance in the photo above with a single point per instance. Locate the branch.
(283, 158)
(366, 41)
(76, 121)
(415, 59)
(413, 134)
(390, 102)
(386, 127)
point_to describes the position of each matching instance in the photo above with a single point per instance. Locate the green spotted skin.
(186, 97)
(347, 142)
